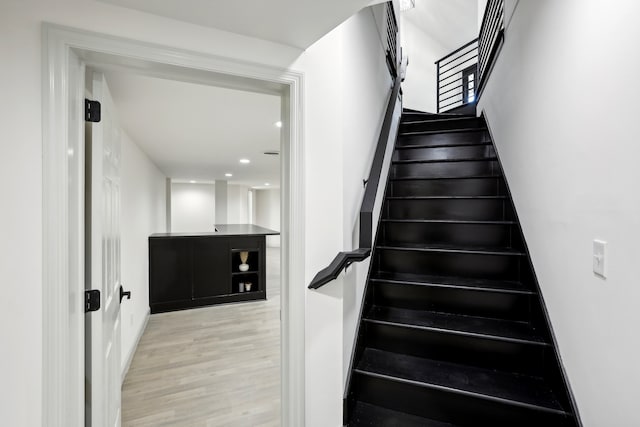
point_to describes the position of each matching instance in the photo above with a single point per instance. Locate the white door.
(103, 252)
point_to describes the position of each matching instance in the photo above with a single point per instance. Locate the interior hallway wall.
(561, 109)
(237, 204)
(268, 212)
(347, 85)
(193, 207)
(143, 212)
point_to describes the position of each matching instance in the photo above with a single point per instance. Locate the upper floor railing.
(392, 48)
(490, 39)
(457, 77)
(461, 75)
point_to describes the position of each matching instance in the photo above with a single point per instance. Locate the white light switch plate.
(599, 247)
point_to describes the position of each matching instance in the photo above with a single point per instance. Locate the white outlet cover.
(599, 251)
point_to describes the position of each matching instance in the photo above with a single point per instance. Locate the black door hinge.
(91, 111)
(91, 300)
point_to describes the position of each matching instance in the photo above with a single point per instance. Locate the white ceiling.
(452, 23)
(296, 23)
(200, 132)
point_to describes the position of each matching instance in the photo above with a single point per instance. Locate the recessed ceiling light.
(278, 124)
(228, 174)
(267, 184)
(192, 182)
(245, 161)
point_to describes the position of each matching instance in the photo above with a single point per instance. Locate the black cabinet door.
(211, 261)
(169, 270)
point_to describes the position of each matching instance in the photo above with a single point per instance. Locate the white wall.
(221, 202)
(561, 109)
(267, 204)
(193, 207)
(482, 5)
(369, 84)
(347, 85)
(237, 204)
(143, 212)
(431, 30)
(323, 228)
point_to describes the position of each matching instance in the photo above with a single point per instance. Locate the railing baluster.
(438, 87)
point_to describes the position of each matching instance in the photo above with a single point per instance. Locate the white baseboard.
(135, 347)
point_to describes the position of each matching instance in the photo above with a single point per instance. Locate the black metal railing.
(490, 39)
(457, 77)
(392, 40)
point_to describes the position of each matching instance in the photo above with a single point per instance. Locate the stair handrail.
(346, 258)
(490, 39)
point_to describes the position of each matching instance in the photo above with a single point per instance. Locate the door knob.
(124, 293)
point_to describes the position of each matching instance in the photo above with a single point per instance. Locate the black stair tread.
(489, 285)
(431, 178)
(480, 250)
(453, 160)
(515, 389)
(442, 197)
(447, 221)
(499, 329)
(366, 414)
(433, 132)
(455, 144)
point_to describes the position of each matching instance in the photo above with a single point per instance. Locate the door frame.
(63, 161)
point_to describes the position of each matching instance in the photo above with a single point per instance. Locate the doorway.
(67, 52)
(225, 357)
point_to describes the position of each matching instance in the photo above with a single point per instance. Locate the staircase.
(453, 330)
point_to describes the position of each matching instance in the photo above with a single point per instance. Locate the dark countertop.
(226, 230)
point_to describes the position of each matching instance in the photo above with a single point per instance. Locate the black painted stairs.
(453, 331)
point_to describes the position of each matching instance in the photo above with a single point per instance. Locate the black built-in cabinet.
(188, 271)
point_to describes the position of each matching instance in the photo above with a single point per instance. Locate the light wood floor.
(209, 367)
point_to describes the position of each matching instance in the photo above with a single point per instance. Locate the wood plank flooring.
(209, 367)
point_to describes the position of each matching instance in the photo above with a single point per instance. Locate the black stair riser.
(365, 414)
(443, 124)
(444, 138)
(510, 356)
(459, 409)
(473, 265)
(487, 235)
(445, 169)
(449, 187)
(415, 117)
(503, 305)
(448, 209)
(443, 153)
(469, 109)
